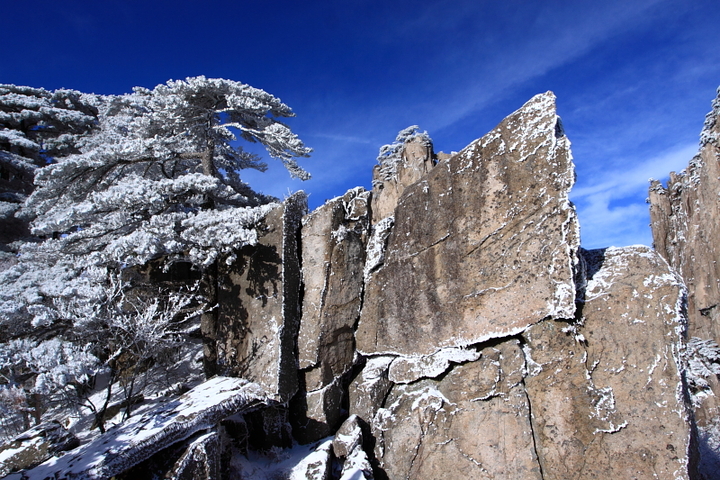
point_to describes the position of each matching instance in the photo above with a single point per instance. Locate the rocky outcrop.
(333, 241)
(685, 227)
(446, 324)
(611, 384)
(35, 446)
(401, 164)
(684, 219)
(473, 237)
(564, 398)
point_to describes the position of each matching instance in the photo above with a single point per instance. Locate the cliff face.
(450, 326)
(686, 232)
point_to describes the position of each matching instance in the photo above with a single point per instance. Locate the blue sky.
(634, 79)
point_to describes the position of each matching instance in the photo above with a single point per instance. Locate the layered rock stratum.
(448, 324)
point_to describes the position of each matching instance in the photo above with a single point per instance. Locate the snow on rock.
(302, 462)
(377, 244)
(400, 164)
(142, 436)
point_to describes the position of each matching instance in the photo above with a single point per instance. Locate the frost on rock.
(684, 219)
(468, 422)
(711, 132)
(390, 156)
(614, 376)
(703, 360)
(377, 244)
(409, 369)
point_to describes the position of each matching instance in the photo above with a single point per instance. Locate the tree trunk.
(209, 319)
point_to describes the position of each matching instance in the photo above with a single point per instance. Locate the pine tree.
(36, 127)
(157, 181)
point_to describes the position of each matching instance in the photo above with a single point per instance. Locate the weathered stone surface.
(416, 159)
(473, 237)
(258, 305)
(318, 413)
(140, 437)
(333, 253)
(609, 387)
(201, 460)
(367, 392)
(474, 423)
(34, 446)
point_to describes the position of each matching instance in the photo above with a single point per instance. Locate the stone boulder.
(473, 236)
(349, 447)
(35, 446)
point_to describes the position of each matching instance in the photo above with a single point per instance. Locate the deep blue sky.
(634, 79)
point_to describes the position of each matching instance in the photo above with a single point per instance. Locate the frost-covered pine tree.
(36, 127)
(158, 180)
(161, 176)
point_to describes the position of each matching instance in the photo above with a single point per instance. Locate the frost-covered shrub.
(37, 375)
(703, 358)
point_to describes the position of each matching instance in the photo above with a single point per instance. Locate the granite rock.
(473, 236)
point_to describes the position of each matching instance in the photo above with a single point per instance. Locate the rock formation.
(495, 223)
(686, 232)
(450, 326)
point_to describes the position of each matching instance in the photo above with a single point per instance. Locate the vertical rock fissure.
(531, 422)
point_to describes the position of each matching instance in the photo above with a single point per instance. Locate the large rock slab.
(333, 240)
(140, 437)
(473, 423)
(333, 253)
(611, 386)
(258, 298)
(484, 244)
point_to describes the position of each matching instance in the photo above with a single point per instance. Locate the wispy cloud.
(608, 206)
(554, 38)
